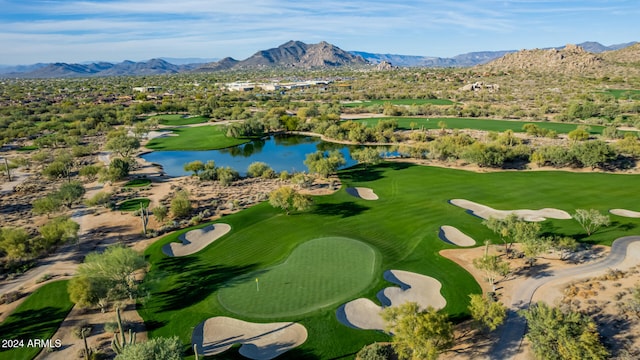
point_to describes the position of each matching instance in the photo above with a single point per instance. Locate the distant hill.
(297, 54)
(289, 55)
(56, 70)
(570, 59)
(468, 59)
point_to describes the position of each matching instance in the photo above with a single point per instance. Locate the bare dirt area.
(100, 335)
(601, 295)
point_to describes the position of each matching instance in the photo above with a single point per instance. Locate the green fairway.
(402, 226)
(367, 103)
(137, 183)
(179, 120)
(317, 273)
(28, 148)
(133, 204)
(196, 138)
(38, 317)
(404, 123)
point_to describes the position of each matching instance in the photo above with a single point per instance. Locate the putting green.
(318, 273)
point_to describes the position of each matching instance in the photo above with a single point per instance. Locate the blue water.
(281, 152)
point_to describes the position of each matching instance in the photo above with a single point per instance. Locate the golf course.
(272, 267)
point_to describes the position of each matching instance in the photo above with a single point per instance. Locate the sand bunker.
(259, 341)
(154, 134)
(455, 236)
(625, 213)
(365, 314)
(196, 240)
(486, 212)
(362, 193)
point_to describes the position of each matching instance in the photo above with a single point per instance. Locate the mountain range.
(292, 54)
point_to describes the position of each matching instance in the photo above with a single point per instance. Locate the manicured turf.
(38, 317)
(196, 138)
(367, 103)
(28, 148)
(137, 183)
(133, 204)
(477, 124)
(402, 226)
(318, 272)
(179, 120)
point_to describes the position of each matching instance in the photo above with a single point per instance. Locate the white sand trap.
(365, 314)
(153, 134)
(362, 193)
(259, 341)
(196, 240)
(455, 236)
(625, 213)
(362, 314)
(486, 212)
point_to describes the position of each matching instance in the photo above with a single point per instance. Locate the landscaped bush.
(375, 351)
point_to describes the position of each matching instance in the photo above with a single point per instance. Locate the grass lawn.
(196, 138)
(179, 120)
(28, 148)
(402, 226)
(137, 183)
(367, 103)
(133, 204)
(624, 93)
(38, 317)
(404, 123)
(318, 272)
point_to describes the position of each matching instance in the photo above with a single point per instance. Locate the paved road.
(512, 331)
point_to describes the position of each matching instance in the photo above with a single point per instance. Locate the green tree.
(367, 156)
(487, 313)
(46, 205)
(58, 230)
(503, 228)
(90, 172)
(324, 164)
(592, 154)
(13, 242)
(70, 193)
(591, 220)
(226, 175)
(558, 335)
(578, 134)
(492, 266)
(118, 169)
(287, 199)
(418, 334)
(258, 169)
(180, 204)
(88, 291)
(122, 145)
(116, 268)
(158, 348)
(194, 166)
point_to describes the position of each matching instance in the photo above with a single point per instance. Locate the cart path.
(511, 333)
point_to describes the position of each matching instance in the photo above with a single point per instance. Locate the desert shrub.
(78, 328)
(10, 297)
(375, 351)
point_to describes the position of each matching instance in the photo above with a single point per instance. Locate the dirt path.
(511, 334)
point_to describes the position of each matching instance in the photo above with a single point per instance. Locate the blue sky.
(114, 30)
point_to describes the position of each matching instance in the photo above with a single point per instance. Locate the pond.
(281, 152)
